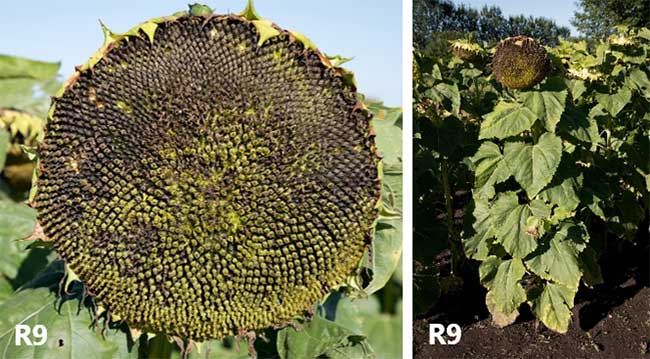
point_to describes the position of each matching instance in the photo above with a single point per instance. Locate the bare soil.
(611, 320)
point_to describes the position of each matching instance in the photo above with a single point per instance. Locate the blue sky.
(68, 31)
(559, 10)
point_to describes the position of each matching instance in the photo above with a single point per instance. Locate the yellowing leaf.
(506, 294)
(558, 260)
(553, 306)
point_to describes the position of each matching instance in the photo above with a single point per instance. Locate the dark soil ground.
(611, 320)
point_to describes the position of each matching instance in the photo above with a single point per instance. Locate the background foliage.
(597, 19)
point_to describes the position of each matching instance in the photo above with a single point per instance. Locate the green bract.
(209, 175)
(520, 62)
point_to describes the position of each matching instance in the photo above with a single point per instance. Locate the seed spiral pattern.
(520, 62)
(202, 185)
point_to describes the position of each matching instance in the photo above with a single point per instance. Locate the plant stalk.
(160, 347)
(453, 240)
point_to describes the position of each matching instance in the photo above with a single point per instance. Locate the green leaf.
(564, 188)
(592, 274)
(6, 289)
(558, 258)
(321, 337)
(16, 222)
(27, 84)
(639, 80)
(4, 147)
(12, 67)
(614, 103)
(579, 125)
(534, 165)
(553, 306)
(547, 106)
(506, 292)
(507, 119)
(69, 330)
(447, 95)
(576, 87)
(387, 124)
(435, 73)
(644, 33)
(490, 169)
(510, 220)
(387, 244)
(488, 270)
(383, 331)
(477, 246)
(386, 254)
(149, 28)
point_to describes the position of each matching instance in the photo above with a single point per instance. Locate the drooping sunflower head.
(467, 50)
(207, 175)
(23, 129)
(520, 62)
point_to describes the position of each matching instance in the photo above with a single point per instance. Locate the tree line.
(435, 21)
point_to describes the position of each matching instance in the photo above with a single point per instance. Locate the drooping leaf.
(534, 165)
(387, 244)
(507, 293)
(386, 253)
(553, 306)
(507, 119)
(499, 318)
(558, 258)
(510, 220)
